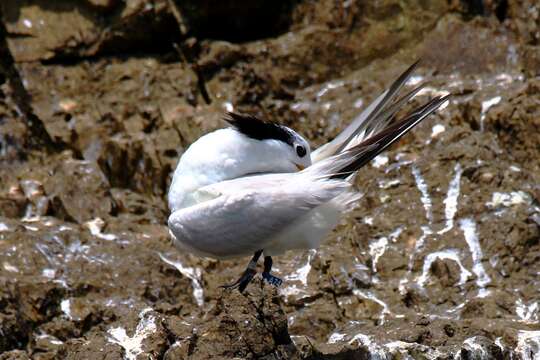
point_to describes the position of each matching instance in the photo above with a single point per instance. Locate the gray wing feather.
(240, 222)
(349, 161)
(369, 120)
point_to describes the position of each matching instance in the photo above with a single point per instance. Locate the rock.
(439, 259)
(39, 31)
(447, 271)
(246, 326)
(479, 348)
(455, 37)
(79, 191)
(14, 355)
(105, 4)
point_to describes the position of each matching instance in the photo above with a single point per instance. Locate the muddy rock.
(245, 326)
(79, 177)
(438, 260)
(41, 30)
(13, 141)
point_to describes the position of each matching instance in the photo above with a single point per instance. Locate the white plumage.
(238, 217)
(236, 191)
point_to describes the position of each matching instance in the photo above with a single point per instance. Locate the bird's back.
(208, 160)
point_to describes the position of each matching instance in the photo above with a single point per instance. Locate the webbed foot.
(243, 281)
(248, 274)
(271, 279)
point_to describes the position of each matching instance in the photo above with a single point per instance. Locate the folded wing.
(246, 214)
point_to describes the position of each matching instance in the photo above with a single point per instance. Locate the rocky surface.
(440, 259)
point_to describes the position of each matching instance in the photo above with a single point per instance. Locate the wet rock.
(138, 208)
(438, 260)
(339, 351)
(235, 21)
(498, 305)
(531, 60)
(14, 355)
(13, 203)
(106, 4)
(246, 326)
(13, 132)
(326, 42)
(456, 37)
(14, 332)
(133, 164)
(447, 272)
(519, 118)
(91, 348)
(79, 191)
(47, 344)
(524, 19)
(23, 308)
(218, 54)
(40, 31)
(480, 347)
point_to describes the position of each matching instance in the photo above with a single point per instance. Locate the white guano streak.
(509, 199)
(468, 226)
(369, 296)
(528, 345)
(436, 130)
(486, 105)
(133, 344)
(422, 186)
(475, 347)
(65, 306)
(378, 247)
(379, 161)
(451, 200)
(301, 274)
(194, 274)
(96, 226)
(527, 312)
(3, 227)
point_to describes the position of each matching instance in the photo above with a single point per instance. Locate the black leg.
(248, 274)
(271, 279)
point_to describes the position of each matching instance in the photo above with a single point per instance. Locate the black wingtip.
(415, 65)
(379, 142)
(407, 73)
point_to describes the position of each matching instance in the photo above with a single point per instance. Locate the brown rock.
(79, 191)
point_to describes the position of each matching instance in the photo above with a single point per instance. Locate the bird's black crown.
(258, 129)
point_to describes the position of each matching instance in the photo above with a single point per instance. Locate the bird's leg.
(248, 274)
(274, 280)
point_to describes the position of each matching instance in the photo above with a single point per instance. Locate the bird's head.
(273, 143)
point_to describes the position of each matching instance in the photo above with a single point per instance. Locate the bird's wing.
(349, 161)
(374, 118)
(241, 216)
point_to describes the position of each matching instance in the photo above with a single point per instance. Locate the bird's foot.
(243, 282)
(271, 279)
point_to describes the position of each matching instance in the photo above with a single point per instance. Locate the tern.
(256, 187)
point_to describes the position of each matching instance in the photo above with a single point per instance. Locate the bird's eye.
(300, 150)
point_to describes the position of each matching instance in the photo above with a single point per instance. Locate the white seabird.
(256, 187)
